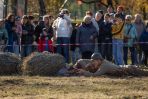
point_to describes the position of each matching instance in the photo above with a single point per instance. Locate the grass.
(24, 87)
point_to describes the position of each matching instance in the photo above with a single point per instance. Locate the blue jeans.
(63, 47)
(107, 50)
(118, 51)
(16, 48)
(26, 50)
(10, 47)
(133, 56)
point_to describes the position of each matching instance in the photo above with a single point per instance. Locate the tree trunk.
(110, 3)
(5, 8)
(26, 7)
(144, 13)
(42, 7)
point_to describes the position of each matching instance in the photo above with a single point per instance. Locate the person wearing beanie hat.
(96, 56)
(95, 66)
(98, 66)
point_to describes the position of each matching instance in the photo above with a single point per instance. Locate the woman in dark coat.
(86, 35)
(144, 44)
(10, 27)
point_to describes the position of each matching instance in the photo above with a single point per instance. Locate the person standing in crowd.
(144, 44)
(10, 27)
(73, 43)
(27, 37)
(44, 24)
(31, 20)
(45, 43)
(86, 35)
(130, 37)
(117, 35)
(110, 10)
(106, 31)
(140, 28)
(17, 41)
(93, 20)
(120, 12)
(63, 30)
(3, 36)
(100, 18)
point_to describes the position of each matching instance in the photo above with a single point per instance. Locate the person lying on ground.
(97, 66)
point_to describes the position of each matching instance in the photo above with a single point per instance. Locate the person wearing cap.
(95, 66)
(63, 29)
(98, 66)
(3, 35)
(130, 37)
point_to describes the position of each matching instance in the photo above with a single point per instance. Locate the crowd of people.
(114, 33)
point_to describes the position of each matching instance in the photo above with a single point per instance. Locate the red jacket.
(42, 45)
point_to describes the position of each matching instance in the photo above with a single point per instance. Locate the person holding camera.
(63, 30)
(130, 36)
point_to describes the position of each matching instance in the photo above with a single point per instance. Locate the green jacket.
(3, 34)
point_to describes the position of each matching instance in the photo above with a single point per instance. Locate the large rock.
(9, 63)
(45, 63)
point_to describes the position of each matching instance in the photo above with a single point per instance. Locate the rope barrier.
(74, 44)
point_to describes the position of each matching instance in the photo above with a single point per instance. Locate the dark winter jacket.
(144, 41)
(39, 28)
(27, 38)
(84, 33)
(8, 26)
(105, 32)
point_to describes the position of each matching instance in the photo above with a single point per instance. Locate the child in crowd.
(45, 44)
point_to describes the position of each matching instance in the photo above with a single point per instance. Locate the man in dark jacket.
(100, 18)
(144, 44)
(27, 37)
(105, 30)
(86, 35)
